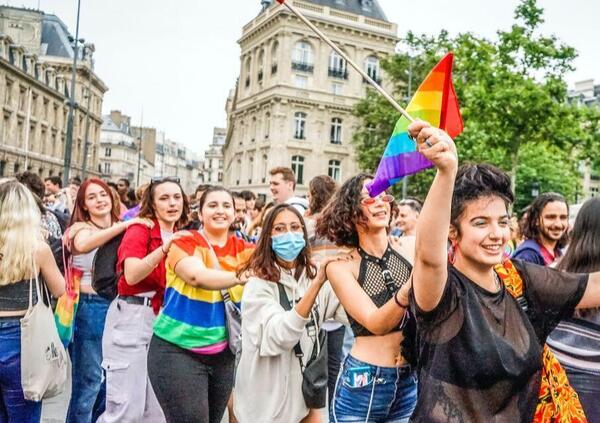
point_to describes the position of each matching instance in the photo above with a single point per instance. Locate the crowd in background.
(338, 274)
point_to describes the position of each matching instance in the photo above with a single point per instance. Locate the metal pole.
(87, 127)
(339, 51)
(27, 129)
(72, 105)
(409, 95)
(141, 139)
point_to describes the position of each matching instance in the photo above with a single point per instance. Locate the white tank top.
(84, 263)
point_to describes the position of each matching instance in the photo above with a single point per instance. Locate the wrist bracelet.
(398, 302)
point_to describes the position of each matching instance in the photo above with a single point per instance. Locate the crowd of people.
(443, 310)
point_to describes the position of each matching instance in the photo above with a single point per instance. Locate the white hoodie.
(268, 384)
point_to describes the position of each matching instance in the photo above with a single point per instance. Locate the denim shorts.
(387, 394)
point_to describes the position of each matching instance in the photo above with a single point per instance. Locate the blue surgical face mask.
(288, 245)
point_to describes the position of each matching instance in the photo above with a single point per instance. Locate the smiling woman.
(190, 331)
(130, 317)
(481, 343)
(93, 223)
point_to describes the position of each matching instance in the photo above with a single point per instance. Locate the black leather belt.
(134, 299)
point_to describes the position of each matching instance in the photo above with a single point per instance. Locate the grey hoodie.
(268, 384)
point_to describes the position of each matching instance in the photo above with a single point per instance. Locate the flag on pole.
(434, 102)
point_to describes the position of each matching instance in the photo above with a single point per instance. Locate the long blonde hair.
(20, 232)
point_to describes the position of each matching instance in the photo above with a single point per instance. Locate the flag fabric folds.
(434, 102)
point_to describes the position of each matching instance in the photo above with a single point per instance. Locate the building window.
(302, 58)
(335, 170)
(372, 68)
(299, 125)
(274, 52)
(248, 70)
(239, 172)
(251, 170)
(107, 168)
(337, 66)
(107, 152)
(336, 131)
(265, 168)
(2, 167)
(337, 88)
(261, 65)
(220, 177)
(301, 81)
(298, 168)
(267, 124)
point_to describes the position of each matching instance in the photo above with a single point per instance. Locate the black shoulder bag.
(314, 374)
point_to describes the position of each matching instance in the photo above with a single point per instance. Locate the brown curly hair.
(321, 189)
(338, 220)
(263, 261)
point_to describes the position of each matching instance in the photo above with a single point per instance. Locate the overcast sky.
(178, 59)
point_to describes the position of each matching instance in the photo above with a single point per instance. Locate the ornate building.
(213, 158)
(35, 78)
(293, 102)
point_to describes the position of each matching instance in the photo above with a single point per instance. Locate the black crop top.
(15, 296)
(380, 278)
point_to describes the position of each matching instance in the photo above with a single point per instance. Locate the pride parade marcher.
(376, 381)
(268, 384)
(23, 255)
(190, 365)
(94, 222)
(482, 327)
(130, 317)
(545, 230)
(576, 339)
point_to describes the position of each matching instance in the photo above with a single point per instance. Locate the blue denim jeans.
(587, 386)
(13, 405)
(389, 394)
(88, 391)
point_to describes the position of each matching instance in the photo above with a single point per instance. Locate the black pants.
(335, 343)
(191, 388)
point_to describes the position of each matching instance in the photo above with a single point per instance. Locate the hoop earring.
(452, 252)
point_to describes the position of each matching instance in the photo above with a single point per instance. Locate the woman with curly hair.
(482, 322)
(376, 381)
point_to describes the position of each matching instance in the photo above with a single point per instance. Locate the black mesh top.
(380, 278)
(480, 352)
(15, 296)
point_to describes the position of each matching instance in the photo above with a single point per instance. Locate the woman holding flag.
(376, 381)
(481, 341)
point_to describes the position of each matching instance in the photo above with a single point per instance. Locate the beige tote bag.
(44, 361)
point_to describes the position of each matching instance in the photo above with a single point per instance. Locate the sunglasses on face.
(160, 179)
(369, 201)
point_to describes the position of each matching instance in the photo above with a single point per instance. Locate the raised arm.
(86, 239)
(357, 303)
(430, 269)
(591, 296)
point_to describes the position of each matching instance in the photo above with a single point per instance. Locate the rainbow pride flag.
(434, 102)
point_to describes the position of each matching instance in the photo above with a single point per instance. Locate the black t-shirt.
(480, 353)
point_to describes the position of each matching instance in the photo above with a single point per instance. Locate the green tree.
(513, 101)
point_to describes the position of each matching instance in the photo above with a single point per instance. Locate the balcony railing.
(338, 73)
(375, 78)
(303, 67)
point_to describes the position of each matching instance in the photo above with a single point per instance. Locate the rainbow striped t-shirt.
(194, 318)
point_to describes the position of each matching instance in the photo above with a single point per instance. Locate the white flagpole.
(347, 59)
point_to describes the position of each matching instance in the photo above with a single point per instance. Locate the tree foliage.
(513, 99)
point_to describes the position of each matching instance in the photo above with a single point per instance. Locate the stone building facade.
(294, 98)
(35, 78)
(118, 148)
(213, 158)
